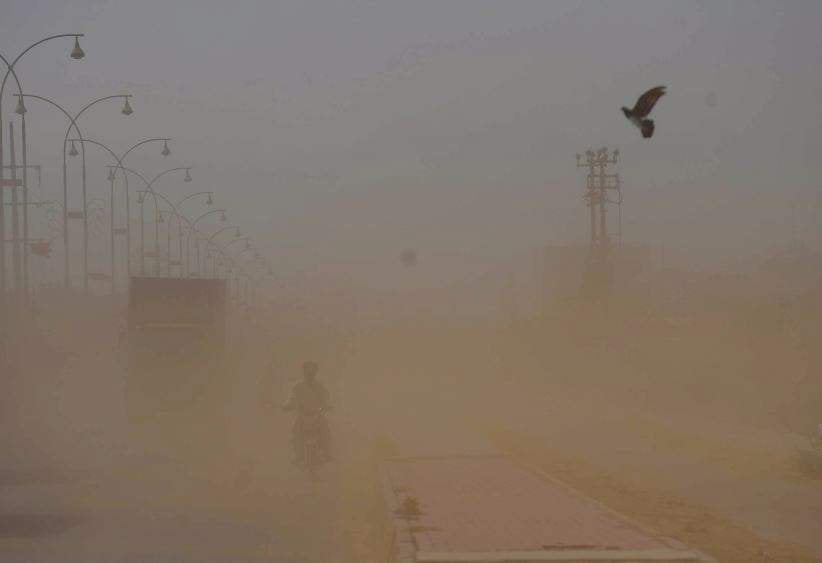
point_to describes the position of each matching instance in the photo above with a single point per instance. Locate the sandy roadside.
(707, 528)
(730, 489)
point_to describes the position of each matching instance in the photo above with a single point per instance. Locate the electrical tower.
(599, 184)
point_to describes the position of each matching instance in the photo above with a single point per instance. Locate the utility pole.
(15, 183)
(142, 201)
(598, 184)
(26, 206)
(25, 166)
(112, 270)
(15, 217)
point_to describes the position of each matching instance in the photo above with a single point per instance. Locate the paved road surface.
(488, 508)
(161, 511)
(76, 485)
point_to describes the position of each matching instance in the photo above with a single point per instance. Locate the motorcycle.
(310, 428)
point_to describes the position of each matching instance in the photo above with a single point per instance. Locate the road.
(725, 490)
(161, 512)
(81, 484)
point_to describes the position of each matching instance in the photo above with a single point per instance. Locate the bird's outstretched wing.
(646, 101)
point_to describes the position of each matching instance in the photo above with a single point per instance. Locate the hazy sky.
(345, 131)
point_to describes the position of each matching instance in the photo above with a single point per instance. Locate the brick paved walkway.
(488, 508)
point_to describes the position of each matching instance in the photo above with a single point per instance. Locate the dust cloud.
(391, 192)
(683, 400)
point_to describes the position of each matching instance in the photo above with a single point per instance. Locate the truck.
(176, 340)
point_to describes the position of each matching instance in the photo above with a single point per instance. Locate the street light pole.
(209, 202)
(76, 53)
(120, 163)
(112, 272)
(168, 243)
(190, 226)
(174, 211)
(142, 199)
(150, 190)
(126, 110)
(23, 147)
(193, 227)
(240, 239)
(15, 241)
(159, 212)
(217, 233)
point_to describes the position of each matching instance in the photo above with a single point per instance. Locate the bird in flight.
(643, 107)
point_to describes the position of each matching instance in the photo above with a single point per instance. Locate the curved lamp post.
(247, 285)
(170, 214)
(120, 160)
(224, 257)
(126, 110)
(209, 202)
(215, 250)
(217, 233)
(150, 188)
(208, 193)
(234, 228)
(180, 218)
(240, 239)
(221, 251)
(111, 179)
(76, 53)
(244, 250)
(247, 246)
(193, 228)
(173, 212)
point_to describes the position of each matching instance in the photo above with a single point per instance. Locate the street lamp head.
(21, 107)
(126, 108)
(209, 201)
(166, 151)
(111, 174)
(188, 175)
(73, 150)
(77, 53)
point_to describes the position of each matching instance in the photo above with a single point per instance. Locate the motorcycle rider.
(309, 397)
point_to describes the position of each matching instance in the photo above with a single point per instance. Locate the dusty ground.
(679, 423)
(676, 423)
(80, 483)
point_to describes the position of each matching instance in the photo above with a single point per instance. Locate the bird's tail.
(647, 128)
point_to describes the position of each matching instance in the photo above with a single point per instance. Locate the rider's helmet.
(310, 369)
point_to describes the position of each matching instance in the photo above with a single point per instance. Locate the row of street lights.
(20, 241)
